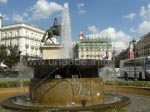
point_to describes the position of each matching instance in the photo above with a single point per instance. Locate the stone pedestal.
(52, 51)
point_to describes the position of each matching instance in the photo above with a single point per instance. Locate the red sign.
(131, 53)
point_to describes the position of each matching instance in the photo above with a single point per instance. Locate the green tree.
(3, 53)
(9, 55)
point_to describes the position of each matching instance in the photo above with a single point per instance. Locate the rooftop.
(20, 24)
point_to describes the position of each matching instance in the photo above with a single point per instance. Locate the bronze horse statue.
(55, 30)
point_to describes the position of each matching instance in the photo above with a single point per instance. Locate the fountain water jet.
(66, 33)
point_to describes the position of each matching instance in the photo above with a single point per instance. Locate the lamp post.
(134, 49)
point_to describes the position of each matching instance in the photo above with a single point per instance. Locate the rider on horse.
(55, 30)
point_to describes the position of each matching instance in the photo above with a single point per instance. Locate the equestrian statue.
(55, 30)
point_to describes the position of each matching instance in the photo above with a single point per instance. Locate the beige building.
(25, 36)
(93, 47)
(94, 50)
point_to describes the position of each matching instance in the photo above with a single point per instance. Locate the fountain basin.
(68, 91)
(19, 103)
(66, 81)
(66, 85)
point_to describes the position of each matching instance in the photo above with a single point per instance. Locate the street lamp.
(134, 49)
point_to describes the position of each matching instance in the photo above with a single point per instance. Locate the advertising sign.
(131, 53)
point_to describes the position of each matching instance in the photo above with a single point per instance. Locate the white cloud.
(119, 45)
(120, 40)
(20, 17)
(145, 13)
(144, 28)
(43, 9)
(133, 30)
(25, 14)
(80, 5)
(17, 18)
(93, 29)
(82, 11)
(130, 16)
(80, 8)
(3, 1)
(5, 17)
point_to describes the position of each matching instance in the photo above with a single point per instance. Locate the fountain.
(64, 83)
(66, 33)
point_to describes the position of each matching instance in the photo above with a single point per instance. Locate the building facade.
(124, 54)
(26, 37)
(143, 46)
(99, 48)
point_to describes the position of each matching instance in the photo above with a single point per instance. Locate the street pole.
(134, 49)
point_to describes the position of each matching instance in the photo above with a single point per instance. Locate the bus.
(135, 68)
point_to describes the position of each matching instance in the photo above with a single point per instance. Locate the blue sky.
(122, 20)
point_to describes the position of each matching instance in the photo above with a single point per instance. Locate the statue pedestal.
(52, 51)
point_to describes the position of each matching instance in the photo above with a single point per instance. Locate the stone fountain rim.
(8, 104)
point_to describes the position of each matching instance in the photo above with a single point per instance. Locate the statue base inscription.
(52, 51)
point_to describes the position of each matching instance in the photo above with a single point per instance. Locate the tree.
(9, 55)
(3, 53)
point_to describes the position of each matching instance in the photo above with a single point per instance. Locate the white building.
(26, 37)
(93, 48)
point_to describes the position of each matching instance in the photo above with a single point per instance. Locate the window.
(17, 33)
(6, 35)
(27, 34)
(10, 34)
(32, 35)
(3, 35)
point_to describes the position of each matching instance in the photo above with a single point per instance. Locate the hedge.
(129, 83)
(116, 110)
(12, 84)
